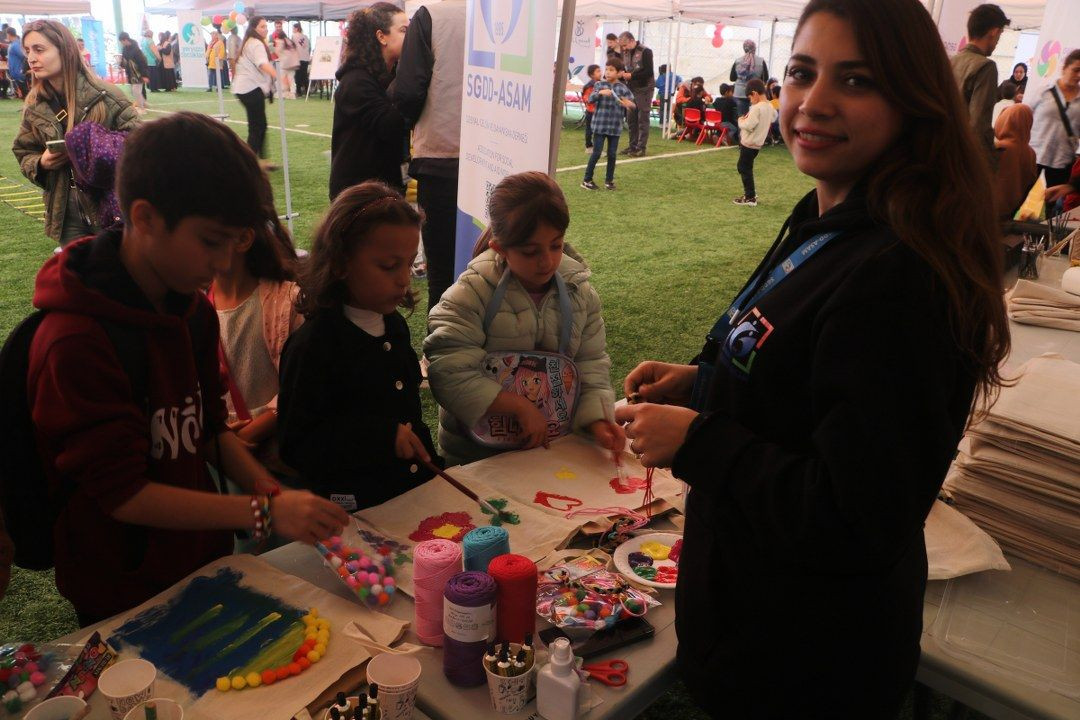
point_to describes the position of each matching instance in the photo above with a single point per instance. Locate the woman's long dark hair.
(362, 48)
(252, 33)
(933, 187)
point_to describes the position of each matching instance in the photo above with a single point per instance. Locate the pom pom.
(352, 582)
(5, 674)
(389, 590)
(389, 582)
(304, 662)
(295, 669)
(269, 677)
(384, 598)
(282, 672)
(320, 648)
(37, 678)
(239, 683)
(314, 656)
(31, 667)
(253, 679)
(313, 612)
(376, 589)
(335, 561)
(223, 684)
(363, 593)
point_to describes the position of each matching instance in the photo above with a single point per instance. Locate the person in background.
(639, 77)
(215, 59)
(775, 137)
(753, 131)
(1008, 99)
(1017, 81)
(288, 60)
(16, 63)
(232, 49)
(84, 52)
(699, 97)
(812, 431)
(613, 47)
(168, 62)
(745, 69)
(665, 92)
(5, 79)
(62, 84)
(303, 50)
(1057, 125)
(152, 54)
(254, 82)
(369, 135)
(729, 111)
(136, 69)
(976, 73)
(1016, 171)
(612, 99)
(594, 73)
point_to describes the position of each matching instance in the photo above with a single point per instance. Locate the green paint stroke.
(243, 638)
(196, 623)
(510, 518)
(278, 653)
(233, 626)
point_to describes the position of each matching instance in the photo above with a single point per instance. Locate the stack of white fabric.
(1018, 472)
(1034, 304)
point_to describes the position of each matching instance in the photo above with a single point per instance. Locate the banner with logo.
(325, 57)
(1059, 36)
(505, 105)
(93, 37)
(582, 49)
(952, 24)
(192, 49)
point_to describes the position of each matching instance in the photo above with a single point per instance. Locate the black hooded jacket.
(804, 565)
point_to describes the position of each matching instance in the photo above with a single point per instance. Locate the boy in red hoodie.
(142, 510)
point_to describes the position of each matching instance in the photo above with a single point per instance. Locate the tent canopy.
(36, 8)
(291, 9)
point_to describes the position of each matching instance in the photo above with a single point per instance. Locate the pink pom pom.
(373, 578)
(364, 561)
(351, 581)
(37, 678)
(389, 582)
(31, 667)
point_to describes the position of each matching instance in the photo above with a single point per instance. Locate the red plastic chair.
(692, 121)
(713, 118)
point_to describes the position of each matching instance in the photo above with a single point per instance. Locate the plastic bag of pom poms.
(30, 673)
(582, 604)
(370, 575)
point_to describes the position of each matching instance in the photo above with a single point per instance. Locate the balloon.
(228, 24)
(218, 19)
(239, 8)
(718, 38)
(241, 19)
(232, 14)
(206, 22)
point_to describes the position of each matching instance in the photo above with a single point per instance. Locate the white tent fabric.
(291, 9)
(37, 8)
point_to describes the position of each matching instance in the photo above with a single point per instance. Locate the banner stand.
(289, 214)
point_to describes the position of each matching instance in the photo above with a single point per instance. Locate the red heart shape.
(546, 499)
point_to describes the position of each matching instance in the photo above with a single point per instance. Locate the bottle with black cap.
(342, 705)
(373, 702)
(361, 712)
(335, 714)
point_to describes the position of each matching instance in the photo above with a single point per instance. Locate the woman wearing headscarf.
(1018, 80)
(1016, 160)
(746, 68)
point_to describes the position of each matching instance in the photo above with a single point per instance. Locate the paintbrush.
(501, 514)
(616, 455)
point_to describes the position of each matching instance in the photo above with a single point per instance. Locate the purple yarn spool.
(468, 623)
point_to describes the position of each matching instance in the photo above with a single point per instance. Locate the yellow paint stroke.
(565, 474)
(655, 550)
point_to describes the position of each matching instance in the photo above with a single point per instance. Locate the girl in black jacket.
(369, 137)
(817, 425)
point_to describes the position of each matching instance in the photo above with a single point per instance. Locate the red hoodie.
(95, 438)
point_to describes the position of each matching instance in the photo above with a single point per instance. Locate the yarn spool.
(482, 544)
(434, 563)
(515, 607)
(468, 624)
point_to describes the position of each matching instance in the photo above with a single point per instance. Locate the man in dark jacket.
(976, 73)
(138, 72)
(640, 78)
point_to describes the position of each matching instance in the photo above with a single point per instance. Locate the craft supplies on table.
(558, 685)
(582, 597)
(651, 559)
(434, 563)
(481, 544)
(509, 669)
(610, 672)
(468, 622)
(370, 576)
(515, 612)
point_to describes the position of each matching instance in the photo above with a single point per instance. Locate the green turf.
(668, 250)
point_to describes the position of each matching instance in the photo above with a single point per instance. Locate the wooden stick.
(466, 491)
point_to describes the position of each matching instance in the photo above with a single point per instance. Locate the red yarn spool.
(515, 599)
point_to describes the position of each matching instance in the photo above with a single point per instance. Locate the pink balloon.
(717, 38)
(218, 19)
(241, 19)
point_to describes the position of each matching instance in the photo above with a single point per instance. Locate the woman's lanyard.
(759, 287)
(565, 321)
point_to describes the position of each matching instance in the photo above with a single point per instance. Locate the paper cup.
(127, 684)
(509, 695)
(166, 710)
(398, 677)
(57, 708)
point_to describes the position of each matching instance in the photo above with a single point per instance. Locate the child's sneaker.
(743, 200)
(589, 185)
(610, 185)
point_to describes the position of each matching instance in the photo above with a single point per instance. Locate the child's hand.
(606, 91)
(299, 515)
(533, 426)
(408, 446)
(608, 435)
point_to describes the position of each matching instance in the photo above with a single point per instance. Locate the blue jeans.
(743, 105)
(732, 132)
(598, 147)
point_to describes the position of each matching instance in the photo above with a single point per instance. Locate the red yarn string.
(515, 609)
(648, 492)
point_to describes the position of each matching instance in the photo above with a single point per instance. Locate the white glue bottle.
(557, 684)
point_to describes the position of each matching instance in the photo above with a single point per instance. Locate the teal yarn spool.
(482, 544)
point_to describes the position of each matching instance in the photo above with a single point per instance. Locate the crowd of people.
(208, 342)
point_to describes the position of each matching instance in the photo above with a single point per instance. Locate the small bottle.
(558, 684)
(335, 714)
(502, 667)
(519, 663)
(373, 701)
(361, 712)
(342, 705)
(527, 646)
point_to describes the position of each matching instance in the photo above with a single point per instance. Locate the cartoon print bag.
(548, 379)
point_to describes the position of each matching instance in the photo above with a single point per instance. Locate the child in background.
(775, 138)
(525, 240)
(753, 129)
(123, 383)
(590, 107)
(728, 110)
(349, 410)
(255, 299)
(612, 99)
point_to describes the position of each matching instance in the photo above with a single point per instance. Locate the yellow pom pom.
(314, 656)
(322, 624)
(313, 612)
(239, 683)
(320, 648)
(253, 679)
(323, 636)
(223, 684)
(308, 620)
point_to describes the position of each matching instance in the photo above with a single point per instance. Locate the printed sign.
(192, 49)
(1059, 36)
(325, 58)
(93, 36)
(582, 49)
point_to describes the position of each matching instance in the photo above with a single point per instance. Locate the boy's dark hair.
(984, 18)
(725, 88)
(756, 86)
(611, 36)
(1008, 91)
(123, 37)
(616, 63)
(296, 26)
(187, 164)
(353, 215)
(662, 70)
(591, 69)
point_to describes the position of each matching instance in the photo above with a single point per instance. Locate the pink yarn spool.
(434, 563)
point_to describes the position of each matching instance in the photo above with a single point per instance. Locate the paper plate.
(633, 545)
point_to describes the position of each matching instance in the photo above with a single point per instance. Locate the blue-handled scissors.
(610, 672)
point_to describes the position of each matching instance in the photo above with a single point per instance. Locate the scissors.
(610, 672)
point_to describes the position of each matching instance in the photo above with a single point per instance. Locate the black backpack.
(29, 510)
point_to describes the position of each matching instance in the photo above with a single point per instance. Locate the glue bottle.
(557, 684)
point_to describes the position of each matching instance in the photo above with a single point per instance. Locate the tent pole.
(678, 38)
(665, 121)
(289, 214)
(222, 116)
(558, 95)
(772, 44)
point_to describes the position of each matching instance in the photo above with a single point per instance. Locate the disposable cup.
(166, 710)
(63, 707)
(398, 677)
(126, 684)
(509, 695)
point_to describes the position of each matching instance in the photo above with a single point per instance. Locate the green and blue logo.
(501, 35)
(189, 32)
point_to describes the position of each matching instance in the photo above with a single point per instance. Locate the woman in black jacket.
(817, 425)
(369, 136)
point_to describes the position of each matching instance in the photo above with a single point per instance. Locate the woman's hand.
(299, 515)
(51, 161)
(534, 429)
(1056, 192)
(656, 432)
(663, 383)
(608, 435)
(408, 446)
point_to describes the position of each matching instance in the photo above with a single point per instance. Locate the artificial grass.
(668, 250)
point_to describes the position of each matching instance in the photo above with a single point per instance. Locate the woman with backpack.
(64, 92)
